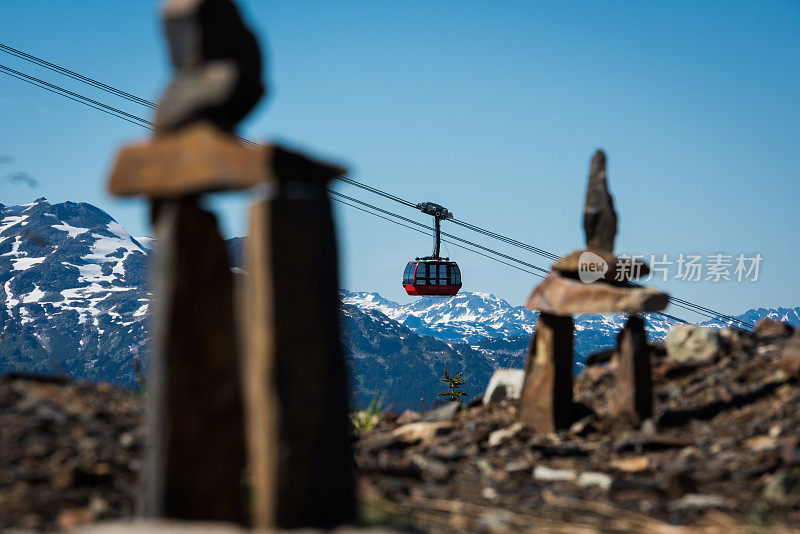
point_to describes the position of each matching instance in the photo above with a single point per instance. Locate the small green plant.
(454, 384)
(368, 418)
(424, 404)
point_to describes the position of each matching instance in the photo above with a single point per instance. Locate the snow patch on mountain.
(148, 243)
(465, 318)
(73, 231)
(25, 263)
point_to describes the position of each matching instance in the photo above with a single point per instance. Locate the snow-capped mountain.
(73, 285)
(389, 360)
(74, 301)
(464, 318)
(786, 315)
(475, 318)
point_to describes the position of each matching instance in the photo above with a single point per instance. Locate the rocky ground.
(721, 451)
(69, 452)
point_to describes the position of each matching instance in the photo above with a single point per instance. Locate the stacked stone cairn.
(248, 392)
(592, 281)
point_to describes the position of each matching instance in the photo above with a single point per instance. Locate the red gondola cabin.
(432, 278)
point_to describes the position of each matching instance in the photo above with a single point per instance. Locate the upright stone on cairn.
(599, 216)
(295, 376)
(195, 418)
(633, 383)
(585, 281)
(546, 400)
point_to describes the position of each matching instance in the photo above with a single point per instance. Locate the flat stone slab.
(590, 259)
(558, 295)
(203, 159)
(195, 160)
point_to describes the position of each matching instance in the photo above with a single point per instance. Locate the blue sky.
(492, 109)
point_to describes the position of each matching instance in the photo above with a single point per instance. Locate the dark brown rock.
(633, 383)
(600, 357)
(790, 356)
(296, 381)
(217, 64)
(565, 296)
(197, 435)
(599, 217)
(546, 401)
(767, 327)
(292, 166)
(197, 159)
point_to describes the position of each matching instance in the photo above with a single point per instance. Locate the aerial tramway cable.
(684, 304)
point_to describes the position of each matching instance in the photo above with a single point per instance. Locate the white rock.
(489, 493)
(505, 384)
(694, 344)
(499, 436)
(554, 475)
(591, 478)
(695, 501)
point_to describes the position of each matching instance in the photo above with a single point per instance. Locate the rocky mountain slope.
(73, 284)
(391, 362)
(73, 287)
(466, 318)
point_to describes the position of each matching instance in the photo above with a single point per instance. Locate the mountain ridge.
(74, 290)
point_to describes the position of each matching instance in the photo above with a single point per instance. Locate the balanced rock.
(599, 217)
(595, 264)
(217, 65)
(691, 344)
(202, 158)
(559, 295)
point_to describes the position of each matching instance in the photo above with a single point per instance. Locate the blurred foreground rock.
(767, 327)
(70, 453)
